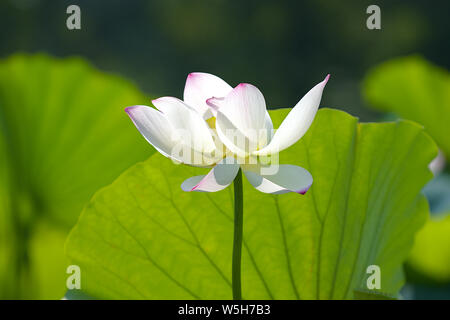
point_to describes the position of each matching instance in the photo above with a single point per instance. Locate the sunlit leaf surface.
(415, 89)
(142, 237)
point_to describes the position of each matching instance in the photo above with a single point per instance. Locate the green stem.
(237, 240)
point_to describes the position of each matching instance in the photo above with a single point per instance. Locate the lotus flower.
(227, 129)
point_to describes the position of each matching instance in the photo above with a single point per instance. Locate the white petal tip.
(209, 102)
(214, 102)
(198, 75)
(190, 184)
(193, 74)
(303, 191)
(187, 189)
(326, 79)
(192, 188)
(244, 85)
(129, 109)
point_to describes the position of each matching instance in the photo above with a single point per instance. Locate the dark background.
(283, 47)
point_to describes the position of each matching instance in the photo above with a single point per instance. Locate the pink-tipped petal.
(193, 130)
(215, 103)
(220, 177)
(245, 107)
(242, 119)
(297, 122)
(202, 86)
(160, 133)
(288, 178)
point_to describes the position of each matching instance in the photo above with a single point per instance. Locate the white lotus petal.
(159, 132)
(233, 138)
(268, 122)
(297, 122)
(202, 86)
(194, 131)
(245, 107)
(155, 128)
(266, 136)
(220, 177)
(288, 178)
(242, 119)
(215, 103)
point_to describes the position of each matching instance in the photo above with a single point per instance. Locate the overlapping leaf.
(416, 90)
(63, 135)
(431, 253)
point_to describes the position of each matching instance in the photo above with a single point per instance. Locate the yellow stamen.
(211, 122)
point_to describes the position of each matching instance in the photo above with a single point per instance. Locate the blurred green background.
(283, 47)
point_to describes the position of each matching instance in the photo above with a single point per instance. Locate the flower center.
(211, 122)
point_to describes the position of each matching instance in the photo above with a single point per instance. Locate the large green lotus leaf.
(416, 90)
(66, 130)
(430, 255)
(143, 237)
(63, 135)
